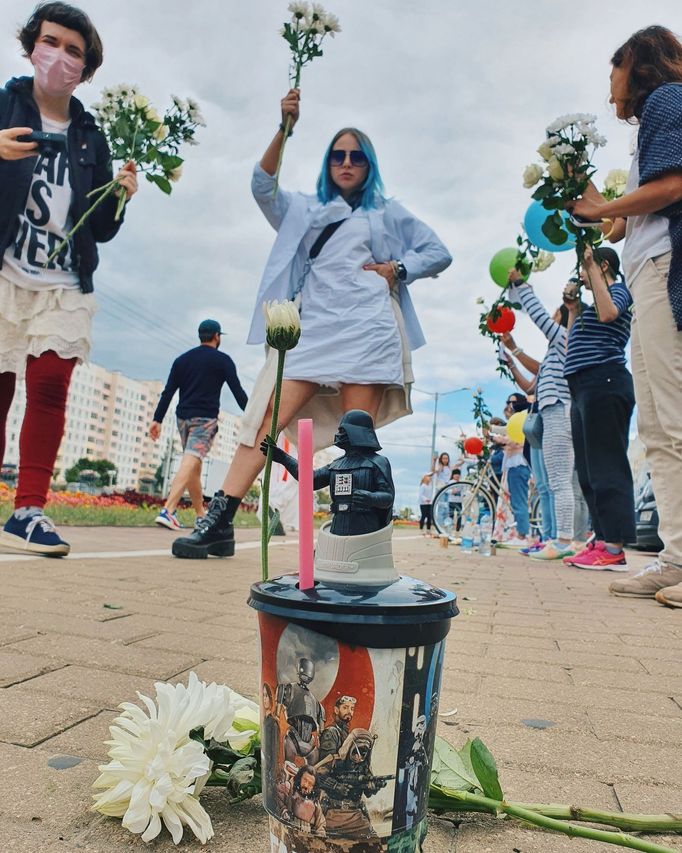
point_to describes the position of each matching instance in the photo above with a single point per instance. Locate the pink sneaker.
(600, 559)
(579, 554)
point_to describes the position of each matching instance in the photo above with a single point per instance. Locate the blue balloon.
(533, 222)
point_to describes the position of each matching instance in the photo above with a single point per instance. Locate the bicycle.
(473, 499)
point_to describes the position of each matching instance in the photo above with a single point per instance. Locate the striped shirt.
(551, 386)
(591, 343)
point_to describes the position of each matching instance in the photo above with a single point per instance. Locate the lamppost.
(436, 395)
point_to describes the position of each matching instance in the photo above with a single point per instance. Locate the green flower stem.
(107, 190)
(444, 798)
(287, 127)
(265, 520)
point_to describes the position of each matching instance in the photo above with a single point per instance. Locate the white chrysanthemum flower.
(563, 150)
(282, 324)
(299, 10)
(543, 261)
(156, 771)
(531, 175)
(331, 24)
(195, 115)
(179, 103)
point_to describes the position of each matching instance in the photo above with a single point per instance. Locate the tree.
(106, 471)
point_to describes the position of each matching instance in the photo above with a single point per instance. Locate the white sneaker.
(515, 542)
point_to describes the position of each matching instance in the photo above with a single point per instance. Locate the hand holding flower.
(127, 178)
(290, 106)
(587, 208)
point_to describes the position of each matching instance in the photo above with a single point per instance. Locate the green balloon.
(500, 265)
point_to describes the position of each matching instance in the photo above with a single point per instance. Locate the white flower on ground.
(156, 771)
(543, 261)
(616, 181)
(531, 175)
(245, 726)
(282, 324)
(555, 169)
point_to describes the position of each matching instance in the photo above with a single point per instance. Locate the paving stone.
(650, 799)
(242, 645)
(29, 717)
(85, 740)
(569, 658)
(112, 655)
(639, 681)
(16, 667)
(102, 687)
(644, 730)
(10, 633)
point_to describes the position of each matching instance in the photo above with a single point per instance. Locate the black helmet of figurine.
(356, 429)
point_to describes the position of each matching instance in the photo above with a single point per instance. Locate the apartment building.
(107, 417)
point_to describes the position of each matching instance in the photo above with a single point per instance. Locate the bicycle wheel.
(472, 500)
(535, 512)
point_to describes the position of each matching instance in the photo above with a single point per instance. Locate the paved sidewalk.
(578, 694)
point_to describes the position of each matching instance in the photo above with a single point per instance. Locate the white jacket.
(396, 235)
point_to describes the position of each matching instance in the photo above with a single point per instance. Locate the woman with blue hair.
(346, 256)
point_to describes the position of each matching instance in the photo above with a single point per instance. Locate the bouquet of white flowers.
(567, 153)
(135, 132)
(304, 34)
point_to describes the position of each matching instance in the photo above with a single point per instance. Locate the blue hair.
(373, 186)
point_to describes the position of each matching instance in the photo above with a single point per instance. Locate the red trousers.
(47, 386)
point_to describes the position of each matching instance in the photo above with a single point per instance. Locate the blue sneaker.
(36, 534)
(168, 519)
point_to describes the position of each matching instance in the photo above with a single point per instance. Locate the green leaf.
(272, 526)
(554, 233)
(161, 182)
(455, 770)
(485, 768)
(543, 191)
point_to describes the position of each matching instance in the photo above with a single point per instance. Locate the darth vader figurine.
(360, 481)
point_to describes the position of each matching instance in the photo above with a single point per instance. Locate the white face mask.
(56, 73)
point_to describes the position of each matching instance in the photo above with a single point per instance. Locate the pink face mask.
(56, 72)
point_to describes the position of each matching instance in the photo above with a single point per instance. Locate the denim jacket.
(396, 235)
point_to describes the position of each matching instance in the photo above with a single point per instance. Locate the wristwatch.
(401, 272)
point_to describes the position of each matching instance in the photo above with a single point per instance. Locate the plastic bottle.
(476, 536)
(468, 536)
(485, 546)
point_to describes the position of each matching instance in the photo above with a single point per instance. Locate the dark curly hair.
(71, 18)
(652, 57)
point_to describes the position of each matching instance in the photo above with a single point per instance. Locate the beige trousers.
(657, 374)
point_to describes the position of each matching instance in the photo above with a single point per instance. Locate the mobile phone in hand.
(49, 144)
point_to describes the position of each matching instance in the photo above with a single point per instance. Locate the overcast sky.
(455, 96)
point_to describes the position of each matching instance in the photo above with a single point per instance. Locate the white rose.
(531, 175)
(175, 174)
(151, 114)
(545, 150)
(160, 133)
(555, 169)
(616, 179)
(140, 101)
(543, 261)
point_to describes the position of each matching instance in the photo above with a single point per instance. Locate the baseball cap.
(210, 327)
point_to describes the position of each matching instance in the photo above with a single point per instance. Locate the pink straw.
(305, 503)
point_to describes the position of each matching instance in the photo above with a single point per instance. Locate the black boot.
(213, 534)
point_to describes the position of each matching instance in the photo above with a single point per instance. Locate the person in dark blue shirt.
(602, 402)
(199, 375)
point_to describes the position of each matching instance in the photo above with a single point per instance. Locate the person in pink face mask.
(46, 307)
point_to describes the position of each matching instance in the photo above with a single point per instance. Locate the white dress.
(349, 332)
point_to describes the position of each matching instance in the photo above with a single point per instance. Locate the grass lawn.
(119, 516)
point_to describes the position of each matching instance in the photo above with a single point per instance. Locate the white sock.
(25, 512)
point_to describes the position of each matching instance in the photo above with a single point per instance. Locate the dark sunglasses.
(337, 157)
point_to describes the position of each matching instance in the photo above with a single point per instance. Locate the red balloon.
(473, 446)
(505, 322)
